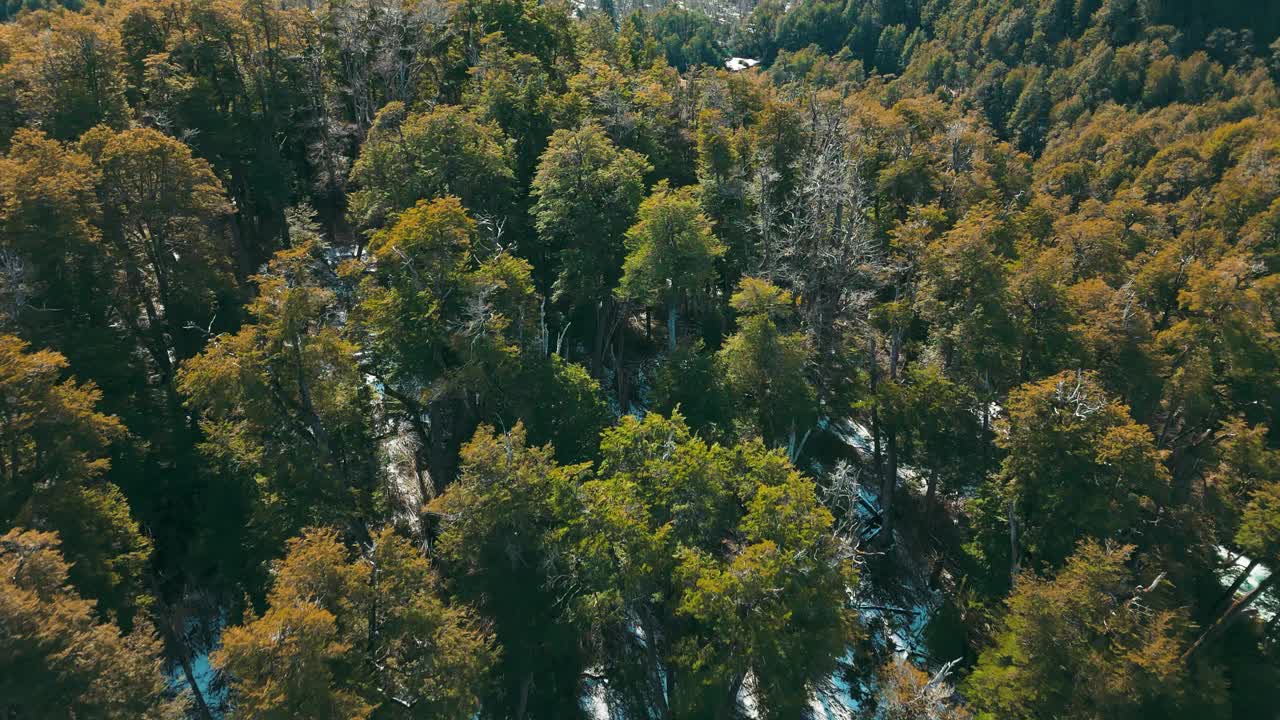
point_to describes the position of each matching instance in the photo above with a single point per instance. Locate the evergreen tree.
(1091, 642)
(56, 659)
(361, 637)
(671, 253)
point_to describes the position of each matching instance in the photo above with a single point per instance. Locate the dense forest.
(505, 359)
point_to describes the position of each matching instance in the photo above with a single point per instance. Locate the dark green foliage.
(688, 38)
(1011, 264)
(1085, 644)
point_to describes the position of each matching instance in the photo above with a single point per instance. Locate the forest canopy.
(520, 359)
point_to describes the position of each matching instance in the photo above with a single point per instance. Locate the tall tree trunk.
(1230, 594)
(309, 413)
(177, 640)
(1229, 616)
(443, 419)
(202, 707)
(523, 705)
(1015, 552)
(413, 412)
(730, 707)
(888, 487)
(655, 671)
(986, 430)
(620, 375)
(930, 498)
(601, 339)
(671, 325)
(874, 381)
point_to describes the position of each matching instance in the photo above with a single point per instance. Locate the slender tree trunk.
(986, 430)
(889, 487)
(671, 325)
(523, 707)
(889, 480)
(1228, 617)
(1230, 594)
(655, 664)
(1015, 553)
(178, 642)
(930, 498)
(895, 352)
(619, 358)
(874, 380)
(310, 415)
(601, 339)
(443, 420)
(730, 707)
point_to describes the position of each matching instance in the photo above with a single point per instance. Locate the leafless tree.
(14, 289)
(387, 49)
(828, 253)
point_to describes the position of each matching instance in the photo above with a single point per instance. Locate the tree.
(1228, 325)
(671, 253)
(412, 156)
(1029, 119)
(1091, 642)
(55, 290)
(765, 369)
(56, 445)
(362, 637)
(66, 76)
(512, 90)
(586, 192)
(696, 565)
(560, 403)
(421, 262)
(162, 212)
(498, 525)
(1076, 466)
(964, 290)
(1246, 488)
(827, 252)
(777, 140)
(765, 610)
(283, 405)
(939, 426)
(687, 37)
(1116, 340)
(912, 694)
(692, 383)
(390, 51)
(233, 80)
(56, 659)
(418, 284)
(639, 102)
(722, 164)
(454, 339)
(281, 667)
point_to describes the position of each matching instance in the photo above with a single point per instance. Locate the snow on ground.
(834, 700)
(406, 489)
(595, 701)
(851, 433)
